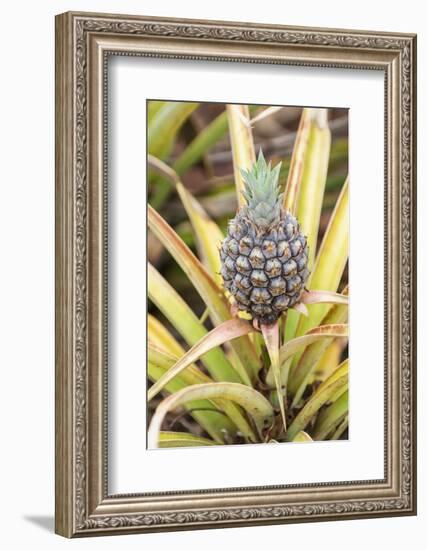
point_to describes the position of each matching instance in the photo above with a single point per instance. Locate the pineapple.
(264, 255)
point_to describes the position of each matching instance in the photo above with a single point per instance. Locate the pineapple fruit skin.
(264, 269)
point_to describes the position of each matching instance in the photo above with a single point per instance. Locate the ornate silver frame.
(83, 42)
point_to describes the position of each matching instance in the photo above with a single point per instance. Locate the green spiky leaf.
(262, 192)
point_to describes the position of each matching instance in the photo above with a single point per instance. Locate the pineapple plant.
(264, 255)
(264, 363)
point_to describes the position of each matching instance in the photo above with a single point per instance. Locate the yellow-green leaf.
(302, 437)
(265, 113)
(323, 297)
(289, 349)
(164, 125)
(317, 400)
(255, 404)
(161, 337)
(329, 361)
(330, 417)
(340, 429)
(183, 439)
(293, 184)
(271, 339)
(205, 285)
(300, 375)
(242, 144)
(342, 370)
(205, 412)
(330, 261)
(187, 324)
(223, 333)
(153, 107)
(192, 375)
(208, 235)
(313, 178)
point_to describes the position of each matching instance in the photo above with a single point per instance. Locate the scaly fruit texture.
(264, 255)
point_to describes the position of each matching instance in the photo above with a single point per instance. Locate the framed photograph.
(235, 274)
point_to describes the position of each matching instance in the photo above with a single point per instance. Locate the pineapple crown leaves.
(262, 193)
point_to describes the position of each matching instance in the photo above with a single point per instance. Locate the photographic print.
(248, 285)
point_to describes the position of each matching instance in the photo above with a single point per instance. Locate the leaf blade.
(338, 314)
(323, 297)
(192, 375)
(302, 437)
(271, 339)
(208, 290)
(208, 415)
(242, 144)
(331, 416)
(187, 324)
(183, 439)
(290, 199)
(161, 337)
(330, 261)
(208, 235)
(340, 429)
(164, 125)
(296, 344)
(223, 333)
(256, 405)
(313, 178)
(319, 398)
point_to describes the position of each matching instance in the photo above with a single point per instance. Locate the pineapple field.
(247, 263)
